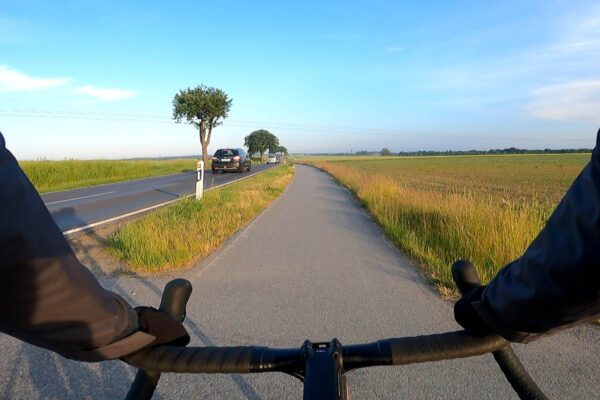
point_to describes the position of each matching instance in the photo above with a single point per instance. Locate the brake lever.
(466, 278)
(173, 302)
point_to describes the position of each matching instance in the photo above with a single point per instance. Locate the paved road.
(80, 207)
(313, 265)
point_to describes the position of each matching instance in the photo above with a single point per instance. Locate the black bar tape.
(196, 360)
(367, 355)
(444, 346)
(517, 376)
(143, 385)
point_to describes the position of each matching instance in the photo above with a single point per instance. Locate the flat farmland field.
(49, 176)
(486, 209)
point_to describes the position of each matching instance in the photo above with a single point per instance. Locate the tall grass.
(48, 176)
(188, 230)
(438, 210)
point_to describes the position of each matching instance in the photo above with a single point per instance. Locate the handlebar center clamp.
(324, 366)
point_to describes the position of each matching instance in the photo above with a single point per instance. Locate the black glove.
(467, 316)
(162, 326)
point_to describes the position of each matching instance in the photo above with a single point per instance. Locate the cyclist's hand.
(467, 317)
(163, 327)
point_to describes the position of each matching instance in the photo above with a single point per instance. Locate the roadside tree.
(204, 107)
(386, 152)
(281, 149)
(273, 143)
(261, 140)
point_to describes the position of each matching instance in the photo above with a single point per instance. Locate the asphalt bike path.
(311, 266)
(80, 207)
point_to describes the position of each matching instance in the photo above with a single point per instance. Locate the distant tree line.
(510, 150)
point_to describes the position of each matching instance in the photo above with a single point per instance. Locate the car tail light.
(214, 158)
(237, 158)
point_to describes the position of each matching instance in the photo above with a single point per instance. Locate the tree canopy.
(272, 143)
(261, 140)
(204, 107)
(281, 149)
(386, 152)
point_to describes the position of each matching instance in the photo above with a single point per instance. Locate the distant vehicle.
(231, 160)
(272, 159)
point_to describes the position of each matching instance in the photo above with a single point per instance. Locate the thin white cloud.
(101, 95)
(585, 33)
(570, 53)
(572, 101)
(11, 80)
(393, 49)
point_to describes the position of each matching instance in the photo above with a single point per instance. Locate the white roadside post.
(199, 179)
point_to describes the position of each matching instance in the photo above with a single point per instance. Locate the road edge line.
(118, 217)
(117, 182)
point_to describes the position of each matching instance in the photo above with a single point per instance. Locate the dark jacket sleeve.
(47, 298)
(556, 283)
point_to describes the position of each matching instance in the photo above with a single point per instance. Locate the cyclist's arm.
(556, 283)
(47, 298)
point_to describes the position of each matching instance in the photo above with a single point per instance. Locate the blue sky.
(95, 79)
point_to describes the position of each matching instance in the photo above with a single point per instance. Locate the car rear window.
(225, 153)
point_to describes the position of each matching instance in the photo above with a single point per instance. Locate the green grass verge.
(50, 176)
(181, 233)
(486, 209)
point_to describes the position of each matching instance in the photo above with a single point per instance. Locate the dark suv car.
(231, 160)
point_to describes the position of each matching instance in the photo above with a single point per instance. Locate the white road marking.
(83, 228)
(106, 221)
(79, 198)
(118, 183)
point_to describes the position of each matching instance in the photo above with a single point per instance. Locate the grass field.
(49, 176)
(439, 209)
(180, 234)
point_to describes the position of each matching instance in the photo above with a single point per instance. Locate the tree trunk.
(203, 143)
(205, 154)
(206, 143)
